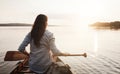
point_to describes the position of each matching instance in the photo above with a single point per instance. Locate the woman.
(42, 43)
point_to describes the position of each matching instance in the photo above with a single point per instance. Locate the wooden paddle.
(84, 54)
(14, 56)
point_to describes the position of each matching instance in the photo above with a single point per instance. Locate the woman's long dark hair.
(38, 29)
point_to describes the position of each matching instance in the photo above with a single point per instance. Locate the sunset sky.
(60, 12)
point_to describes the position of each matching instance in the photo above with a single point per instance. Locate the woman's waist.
(40, 62)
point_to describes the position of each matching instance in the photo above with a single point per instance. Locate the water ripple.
(93, 65)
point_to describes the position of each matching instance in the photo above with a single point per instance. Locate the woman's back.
(40, 57)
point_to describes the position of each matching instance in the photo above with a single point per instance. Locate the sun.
(91, 8)
(88, 12)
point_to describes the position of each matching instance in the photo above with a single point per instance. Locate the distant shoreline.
(23, 24)
(15, 24)
(106, 25)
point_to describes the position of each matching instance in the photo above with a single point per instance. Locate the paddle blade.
(14, 56)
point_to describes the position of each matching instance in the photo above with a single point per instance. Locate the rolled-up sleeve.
(53, 45)
(25, 42)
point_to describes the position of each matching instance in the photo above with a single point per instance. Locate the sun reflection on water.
(95, 43)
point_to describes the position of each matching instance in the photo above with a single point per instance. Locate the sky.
(60, 12)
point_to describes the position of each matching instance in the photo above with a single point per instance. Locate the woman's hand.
(26, 53)
(62, 54)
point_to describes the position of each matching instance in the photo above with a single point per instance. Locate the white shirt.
(40, 57)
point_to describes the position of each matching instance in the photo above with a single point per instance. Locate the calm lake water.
(102, 47)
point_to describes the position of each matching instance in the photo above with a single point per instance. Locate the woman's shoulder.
(48, 33)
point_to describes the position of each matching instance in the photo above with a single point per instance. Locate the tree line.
(110, 25)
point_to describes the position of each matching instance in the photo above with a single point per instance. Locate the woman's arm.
(25, 42)
(55, 51)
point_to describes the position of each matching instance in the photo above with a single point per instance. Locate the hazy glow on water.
(95, 43)
(102, 47)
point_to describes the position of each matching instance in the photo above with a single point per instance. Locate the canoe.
(22, 66)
